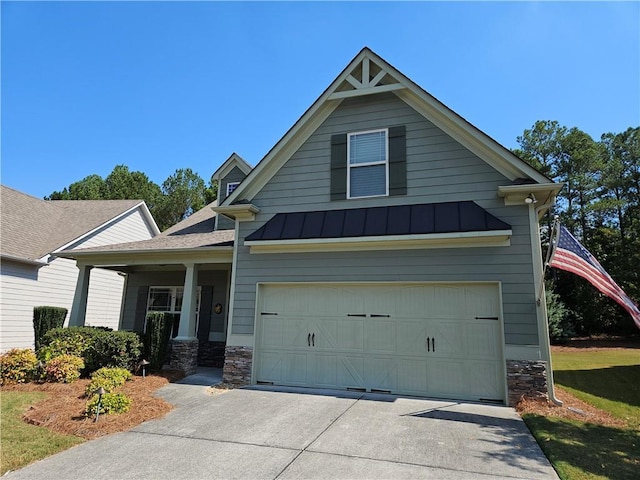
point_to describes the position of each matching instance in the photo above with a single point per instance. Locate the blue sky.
(164, 85)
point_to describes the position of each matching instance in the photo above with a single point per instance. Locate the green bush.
(98, 347)
(63, 369)
(560, 328)
(18, 366)
(45, 319)
(156, 340)
(111, 403)
(107, 378)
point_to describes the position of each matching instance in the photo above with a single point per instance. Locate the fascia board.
(203, 255)
(495, 238)
(233, 161)
(515, 194)
(27, 261)
(294, 138)
(241, 211)
(469, 136)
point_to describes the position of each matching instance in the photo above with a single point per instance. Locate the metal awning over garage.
(401, 226)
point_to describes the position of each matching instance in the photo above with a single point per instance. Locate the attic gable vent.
(366, 77)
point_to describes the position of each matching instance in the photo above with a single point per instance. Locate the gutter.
(546, 344)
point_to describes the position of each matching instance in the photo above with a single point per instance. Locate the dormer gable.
(230, 174)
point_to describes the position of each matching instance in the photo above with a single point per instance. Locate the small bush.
(98, 347)
(159, 326)
(111, 403)
(560, 328)
(107, 378)
(18, 366)
(63, 369)
(45, 319)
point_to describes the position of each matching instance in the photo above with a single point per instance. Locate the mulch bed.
(63, 409)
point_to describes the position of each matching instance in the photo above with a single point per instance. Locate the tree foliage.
(600, 205)
(181, 194)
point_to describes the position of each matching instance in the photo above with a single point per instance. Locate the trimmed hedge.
(63, 369)
(156, 340)
(111, 403)
(97, 346)
(46, 318)
(107, 378)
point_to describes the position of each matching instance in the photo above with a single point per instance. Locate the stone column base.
(237, 365)
(184, 356)
(526, 379)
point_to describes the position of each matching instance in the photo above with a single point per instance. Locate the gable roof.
(194, 232)
(33, 228)
(368, 74)
(234, 160)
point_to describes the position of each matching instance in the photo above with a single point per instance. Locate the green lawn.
(606, 379)
(21, 443)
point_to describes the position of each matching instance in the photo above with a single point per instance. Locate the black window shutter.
(397, 161)
(141, 308)
(339, 166)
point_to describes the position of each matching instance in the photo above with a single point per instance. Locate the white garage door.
(417, 339)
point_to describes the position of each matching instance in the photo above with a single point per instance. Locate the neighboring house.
(383, 244)
(33, 230)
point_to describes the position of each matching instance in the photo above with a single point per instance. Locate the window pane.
(367, 147)
(179, 295)
(159, 300)
(368, 181)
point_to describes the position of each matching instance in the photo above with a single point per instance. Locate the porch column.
(187, 329)
(184, 348)
(79, 306)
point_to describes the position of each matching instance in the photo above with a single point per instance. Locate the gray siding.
(235, 175)
(214, 278)
(438, 170)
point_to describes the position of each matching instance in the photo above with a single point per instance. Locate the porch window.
(169, 300)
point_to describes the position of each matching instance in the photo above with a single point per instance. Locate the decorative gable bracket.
(365, 78)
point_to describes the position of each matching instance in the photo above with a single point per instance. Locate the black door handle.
(313, 339)
(428, 344)
(433, 344)
(309, 339)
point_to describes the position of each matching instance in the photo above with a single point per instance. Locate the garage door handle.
(313, 340)
(487, 318)
(433, 344)
(309, 339)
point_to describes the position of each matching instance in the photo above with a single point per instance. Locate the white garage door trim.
(377, 367)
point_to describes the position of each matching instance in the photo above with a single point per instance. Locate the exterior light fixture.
(143, 363)
(101, 391)
(531, 198)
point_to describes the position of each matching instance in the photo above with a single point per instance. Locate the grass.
(608, 379)
(22, 443)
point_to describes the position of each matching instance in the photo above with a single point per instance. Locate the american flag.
(571, 256)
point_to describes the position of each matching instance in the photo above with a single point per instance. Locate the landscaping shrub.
(107, 378)
(98, 347)
(45, 319)
(156, 340)
(111, 403)
(560, 328)
(18, 366)
(63, 369)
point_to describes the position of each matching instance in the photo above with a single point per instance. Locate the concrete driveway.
(285, 433)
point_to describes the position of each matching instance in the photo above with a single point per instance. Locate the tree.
(89, 188)
(122, 184)
(184, 192)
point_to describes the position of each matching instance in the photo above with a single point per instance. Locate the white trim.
(516, 194)
(368, 164)
(494, 238)
(112, 220)
(232, 184)
(234, 160)
(428, 106)
(232, 284)
(241, 211)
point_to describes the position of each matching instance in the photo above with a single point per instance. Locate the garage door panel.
(381, 337)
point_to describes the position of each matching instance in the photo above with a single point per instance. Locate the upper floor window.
(231, 186)
(368, 164)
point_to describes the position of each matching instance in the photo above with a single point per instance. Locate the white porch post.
(79, 306)
(187, 329)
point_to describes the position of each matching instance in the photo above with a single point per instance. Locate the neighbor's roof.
(31, 228)
(194, 232)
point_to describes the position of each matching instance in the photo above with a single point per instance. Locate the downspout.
(543, 326)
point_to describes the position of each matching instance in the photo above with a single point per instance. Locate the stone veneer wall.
(184, 355)
(237, 365)
(526, 379)
(211, 354)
